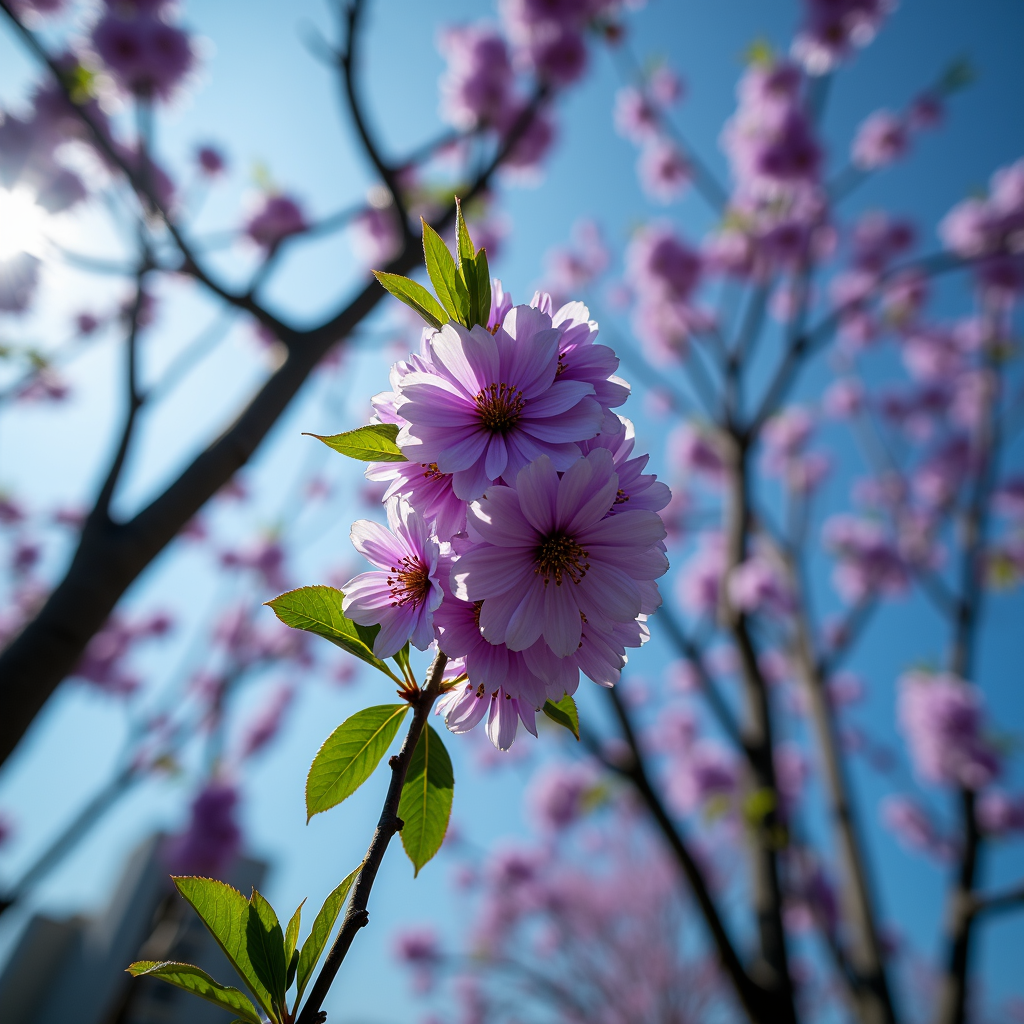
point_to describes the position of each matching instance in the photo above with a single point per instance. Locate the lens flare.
(21, 223)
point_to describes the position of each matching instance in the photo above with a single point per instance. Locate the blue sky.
(270, 102)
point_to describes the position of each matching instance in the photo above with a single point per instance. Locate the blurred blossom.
(558, 794)
(880, 140)
(212, 839)
(941, 718)
(912, 825)
(210, 160)
(664, 171)
(274, 219)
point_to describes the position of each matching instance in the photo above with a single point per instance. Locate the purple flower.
(636, 488)
(634, 115)
(663, 170)
(832, 28)
(660, 266)
(940, 716)
(547, 560)
(211, 160)
(277, 217)
(466, 705)
(403, 598)
(912, 825)
(477, 86)
(558, 794)
(705, 769)
(145, 54)
(756, 586)
(490, 666)
(493, 404)
(212, 840)
(881, 139)
(1000, 814)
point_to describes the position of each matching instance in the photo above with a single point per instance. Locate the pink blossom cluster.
(524, 533)
(640, 115)
(591, 920)
(832, 29)
(144, 52)
(941, 719)
(663, 273)
(105, 662)
(212, 838)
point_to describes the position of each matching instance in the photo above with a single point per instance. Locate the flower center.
(410, 581)
(559, 556)
(431, 472)
(499, 406)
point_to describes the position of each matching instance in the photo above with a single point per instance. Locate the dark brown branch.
(974, 534)
(111, 555)
(1009, 899)
(389, 824)
(807, 343)
(756, 730)
(133, 398)
(690, 650)
(752, 998)
(347, 63)
(870, 984)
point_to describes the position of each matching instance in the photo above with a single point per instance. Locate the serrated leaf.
(414, 295)
(199, 983)
(444, 276)
(265, 943)
(323, 925)
(426, 802)
(225, 912)
(350, 755)
(318, 610)
(376, 442)
(564, 713)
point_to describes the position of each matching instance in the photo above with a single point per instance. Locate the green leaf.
(225, 912)
(426, 802)
(444, 276)
(564, 713)
(318, 610)
(265, 942)
(464, 244)
(373, 443)
(350, 755)
(413, 294)
(291, 941)
(323, 925)
(483, 286)
(199, 983)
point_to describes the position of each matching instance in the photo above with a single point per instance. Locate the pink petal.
(537, 487)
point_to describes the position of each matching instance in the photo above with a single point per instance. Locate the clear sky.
(269, 101)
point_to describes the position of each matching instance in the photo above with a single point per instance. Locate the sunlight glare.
(21, 223)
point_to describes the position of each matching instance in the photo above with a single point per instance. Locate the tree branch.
(389, 824)
(750, 996)
(347, 61)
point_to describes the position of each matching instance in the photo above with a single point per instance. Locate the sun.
(22, 221)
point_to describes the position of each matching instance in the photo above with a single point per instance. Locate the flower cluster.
(144, 53)
(525, 536)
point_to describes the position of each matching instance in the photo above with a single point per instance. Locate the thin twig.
(389, 824)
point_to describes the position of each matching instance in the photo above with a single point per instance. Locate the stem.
(357, 916)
